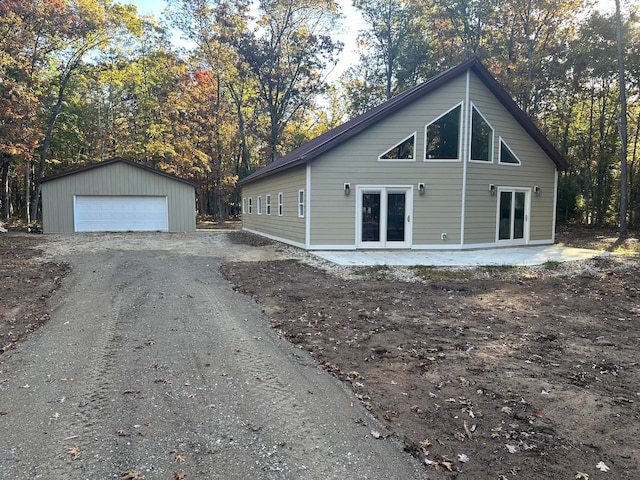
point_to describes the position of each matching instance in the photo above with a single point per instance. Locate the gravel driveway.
(152, 367)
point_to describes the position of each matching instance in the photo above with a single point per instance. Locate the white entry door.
(384, 217)
(120, 213)
(513, 216)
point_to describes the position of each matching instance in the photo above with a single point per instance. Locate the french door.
(513, 216)
(384, 217)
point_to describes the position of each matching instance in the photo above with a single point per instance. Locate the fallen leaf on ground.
(511, 448)
(179, 458)
(375, 434)
(74, 451)
(4, 412)
(602, 467)
(582, 476)
(179, 476)
(446, 464)
(463, 458)
(129, 475)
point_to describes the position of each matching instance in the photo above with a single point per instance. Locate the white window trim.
(301, 203)
(268, 203)
(280, 204)
(493, 136)
(250, 203)
(244, 205)
(413, 159)
(259, 201)
(500, 162)
(460, 136)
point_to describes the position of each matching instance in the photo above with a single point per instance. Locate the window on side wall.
(443, 136)
(506, 155)
(301, 203)
(405, 150)
(250, 206)
(481, 137)
(280, 204)
(244, 205)
(259, 205)
(268, 200)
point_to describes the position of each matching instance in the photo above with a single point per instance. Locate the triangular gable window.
(443, 136)
(506, 155)
(401, 151)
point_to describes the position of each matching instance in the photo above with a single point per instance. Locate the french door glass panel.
(371, 217)
(518, 215)
(505, 216)
(395, 217)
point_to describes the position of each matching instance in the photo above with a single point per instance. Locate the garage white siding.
(120, 214)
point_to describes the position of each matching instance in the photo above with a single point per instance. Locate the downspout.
(555, 206)
(465, 145)
(307, 214)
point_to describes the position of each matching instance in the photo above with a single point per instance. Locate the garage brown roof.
(321, 144)
(117, 160)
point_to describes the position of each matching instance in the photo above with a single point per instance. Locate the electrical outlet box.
(443, 236)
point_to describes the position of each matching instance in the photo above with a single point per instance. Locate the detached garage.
(117, 196)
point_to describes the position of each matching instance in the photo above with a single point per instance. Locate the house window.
(443, 136)
(280, 204)
(300, 203)
(244, 205)
(481, 137)
(250, 206)
(259, 205)
(268, 198)
(401, 151)
(506, 155)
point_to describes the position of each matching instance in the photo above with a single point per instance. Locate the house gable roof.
(321, 144)
(114, 161)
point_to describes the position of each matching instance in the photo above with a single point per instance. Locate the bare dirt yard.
(489, 373)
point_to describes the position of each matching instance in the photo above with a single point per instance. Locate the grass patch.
(551, 265)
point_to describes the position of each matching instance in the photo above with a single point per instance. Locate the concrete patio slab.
(516, 256)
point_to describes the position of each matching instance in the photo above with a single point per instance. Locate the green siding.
(116, 179)
(289, 227)
(536, 168)
(356, 162)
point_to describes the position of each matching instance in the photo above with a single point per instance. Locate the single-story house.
(117, 195)
(452, 163)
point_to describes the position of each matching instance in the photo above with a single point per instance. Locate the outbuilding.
(117, 195)
(452, 163)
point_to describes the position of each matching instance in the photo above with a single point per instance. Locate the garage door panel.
(95, 213)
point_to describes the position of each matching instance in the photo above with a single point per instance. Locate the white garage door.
(120, 213)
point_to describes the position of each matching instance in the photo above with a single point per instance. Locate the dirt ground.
(490, 373)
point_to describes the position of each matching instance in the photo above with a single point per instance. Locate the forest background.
(83, 81)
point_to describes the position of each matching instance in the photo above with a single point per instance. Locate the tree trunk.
(6, 163)
(624, 176)
(46, 143)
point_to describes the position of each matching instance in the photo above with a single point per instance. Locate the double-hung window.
(301, 203)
